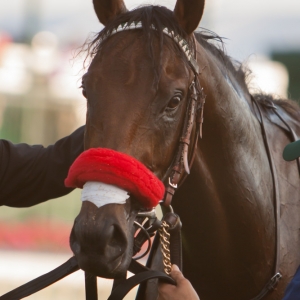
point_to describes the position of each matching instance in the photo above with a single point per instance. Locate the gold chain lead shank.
(165, 246)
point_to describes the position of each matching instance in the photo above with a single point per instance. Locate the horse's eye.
(174, 102)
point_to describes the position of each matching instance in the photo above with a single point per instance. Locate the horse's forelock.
(157, 16)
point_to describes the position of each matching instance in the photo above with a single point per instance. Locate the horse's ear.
(106, 10)
(188, 13)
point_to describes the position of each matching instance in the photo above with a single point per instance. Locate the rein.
(277, 275)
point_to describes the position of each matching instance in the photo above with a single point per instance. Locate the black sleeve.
(33, 174)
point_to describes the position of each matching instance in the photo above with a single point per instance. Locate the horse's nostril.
(117, 242)
(100, 239)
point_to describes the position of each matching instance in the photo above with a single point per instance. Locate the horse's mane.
(215, 45)
(162, 17)
(291, 107)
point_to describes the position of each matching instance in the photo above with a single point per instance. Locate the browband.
(180, 41)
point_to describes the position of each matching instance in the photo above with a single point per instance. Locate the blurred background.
(40, 102)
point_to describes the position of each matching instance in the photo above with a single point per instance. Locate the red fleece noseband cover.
(119, 169)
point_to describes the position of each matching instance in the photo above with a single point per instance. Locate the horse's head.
(136, 88)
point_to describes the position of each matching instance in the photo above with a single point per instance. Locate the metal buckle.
(273, 281)
(173, 185)
(151, 214)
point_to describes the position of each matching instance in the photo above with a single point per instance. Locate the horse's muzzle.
(102, 238)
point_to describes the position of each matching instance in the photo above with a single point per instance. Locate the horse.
(137, 88)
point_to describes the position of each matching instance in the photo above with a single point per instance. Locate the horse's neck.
(226, 202)
(232, 149)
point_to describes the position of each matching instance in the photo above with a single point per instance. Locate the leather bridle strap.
(119, 292)
(293, 135)
(270, 105)
(122, 290)
(277, 275)
(181, 165)
(142, 274)
(43, 281)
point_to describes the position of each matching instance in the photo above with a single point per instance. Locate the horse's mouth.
(102, 266)
(109, 270)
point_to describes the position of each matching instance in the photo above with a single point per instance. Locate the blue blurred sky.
(251, 26)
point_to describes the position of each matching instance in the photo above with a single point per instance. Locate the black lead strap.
(141, 272)
(31, 287)
(120, 288)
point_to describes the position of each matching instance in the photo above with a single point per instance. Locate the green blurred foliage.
(63, 209)
(292, 62)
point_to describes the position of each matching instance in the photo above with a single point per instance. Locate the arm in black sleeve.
(33, 174)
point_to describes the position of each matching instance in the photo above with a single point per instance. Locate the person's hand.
(182, 291)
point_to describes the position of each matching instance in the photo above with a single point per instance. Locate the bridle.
(184, 158)
(177, 171)
(182, 162)
(169, 227)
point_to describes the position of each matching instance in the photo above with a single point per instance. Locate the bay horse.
(137, 90)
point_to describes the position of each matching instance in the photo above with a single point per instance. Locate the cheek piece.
(108, 176)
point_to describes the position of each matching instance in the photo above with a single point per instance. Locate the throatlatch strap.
(31, 287)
